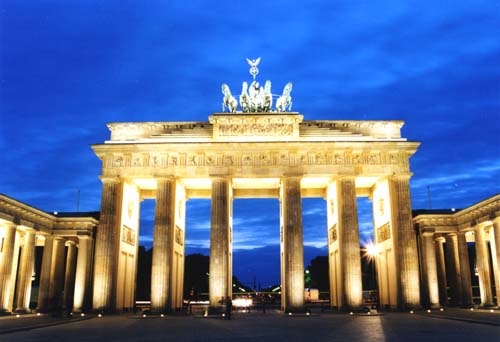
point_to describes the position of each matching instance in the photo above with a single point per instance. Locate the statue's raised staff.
(228, 101)
(284, 102)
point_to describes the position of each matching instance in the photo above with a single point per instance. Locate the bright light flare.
(242, 302)
(370, 251)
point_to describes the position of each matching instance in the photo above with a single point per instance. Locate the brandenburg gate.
(258, 151)
(255, 153)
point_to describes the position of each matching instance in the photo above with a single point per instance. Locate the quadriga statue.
(228, 100)
(284, 102)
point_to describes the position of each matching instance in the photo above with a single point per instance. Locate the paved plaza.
(267, 327)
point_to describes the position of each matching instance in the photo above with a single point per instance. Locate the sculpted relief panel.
(256, 129)
(251, 159)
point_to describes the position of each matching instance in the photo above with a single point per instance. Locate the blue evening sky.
(69, 67)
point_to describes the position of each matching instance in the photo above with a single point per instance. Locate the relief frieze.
(174, 159)
(256, 129)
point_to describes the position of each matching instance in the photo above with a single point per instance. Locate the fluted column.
(56, 274)
(405, 242)
(495, 251)
(430, 269)
(162, 244)
(107, 239)
(220, 245)
(6, 260)
(82, 275)
(483, 265)
(453, 269)
(293, 246)
(463, 256)
(26, 272)
(69, 278)
(43, 289)
(348, 230)
(441, 271)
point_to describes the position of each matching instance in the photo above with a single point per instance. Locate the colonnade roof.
(16, 212)
(449, 220)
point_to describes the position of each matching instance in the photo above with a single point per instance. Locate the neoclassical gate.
(244, 155)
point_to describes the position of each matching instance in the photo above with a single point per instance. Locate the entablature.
(25, 216)
(481, 213)
(238, 158)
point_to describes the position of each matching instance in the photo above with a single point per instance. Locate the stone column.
(69, 278)
(483, 266)
(430, 269)
(348, 230)
(6, 261)
(293, 246)
(162, 244)
(463, 255)
(26, 272)
(56, 275)
(220, 244)
(43, 289)
(441, 271)
(405, 243)
(453, 269)
(107, 239)
(82, 275)
(495, 251)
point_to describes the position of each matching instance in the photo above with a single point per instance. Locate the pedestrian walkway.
(482, 316)
(14, 323)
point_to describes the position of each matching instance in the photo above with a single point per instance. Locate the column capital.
(84, 236)
(8, 224)
(405, 176)
(440, 239)
(428, 232)
(481, 225)
(165, 178)
(109, 179)
(220, 178)
(344, 177)
(29, 230)
(70, 243)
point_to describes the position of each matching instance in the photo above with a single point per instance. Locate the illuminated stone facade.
(65, 278)
(445, 255)
(266, 155)
(235, 155)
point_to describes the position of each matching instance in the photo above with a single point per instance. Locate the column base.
(22, 311)
(4, 312)
(488, 306)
